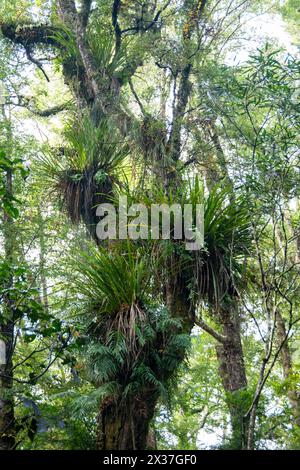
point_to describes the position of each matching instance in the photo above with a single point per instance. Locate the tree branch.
(157, 16)
(30, 35)
(85, 12)
(136, 96)
(35, 62)
(220, 338)
(151, 24)
(185, 87)
(50, 111)
(115, 23)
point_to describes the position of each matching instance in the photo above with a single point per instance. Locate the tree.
(199, 131)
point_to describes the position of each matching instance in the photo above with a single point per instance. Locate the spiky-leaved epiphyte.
(217, 269)
(87, 169)
(220, 267)
(135, 344)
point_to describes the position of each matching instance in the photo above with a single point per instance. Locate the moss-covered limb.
(22, 101)
(211, 331)
(50, 111)
(30, 34)
(33, 36)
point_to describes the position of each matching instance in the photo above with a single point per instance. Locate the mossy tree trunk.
(126, 425)
(287, 368)
(7, 418)
(233, 374)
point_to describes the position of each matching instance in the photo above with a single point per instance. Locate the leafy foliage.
(85, 173)
(136, 344)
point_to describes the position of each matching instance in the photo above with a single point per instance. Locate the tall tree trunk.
(177, 297)
(232, 372)
(287, 368)
(7, 419)
(126, 426)
(229, 351)
(42, 261)
(285, 356)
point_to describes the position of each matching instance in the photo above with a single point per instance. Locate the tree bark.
(126, 426)
(229, 348)
(7, 418)
(285, 355)
(287, 368)
(232, 372)
(42, 261)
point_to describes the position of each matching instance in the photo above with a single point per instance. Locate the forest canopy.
(183, 333)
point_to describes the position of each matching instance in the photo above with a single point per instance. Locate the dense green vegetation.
(141, 343)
